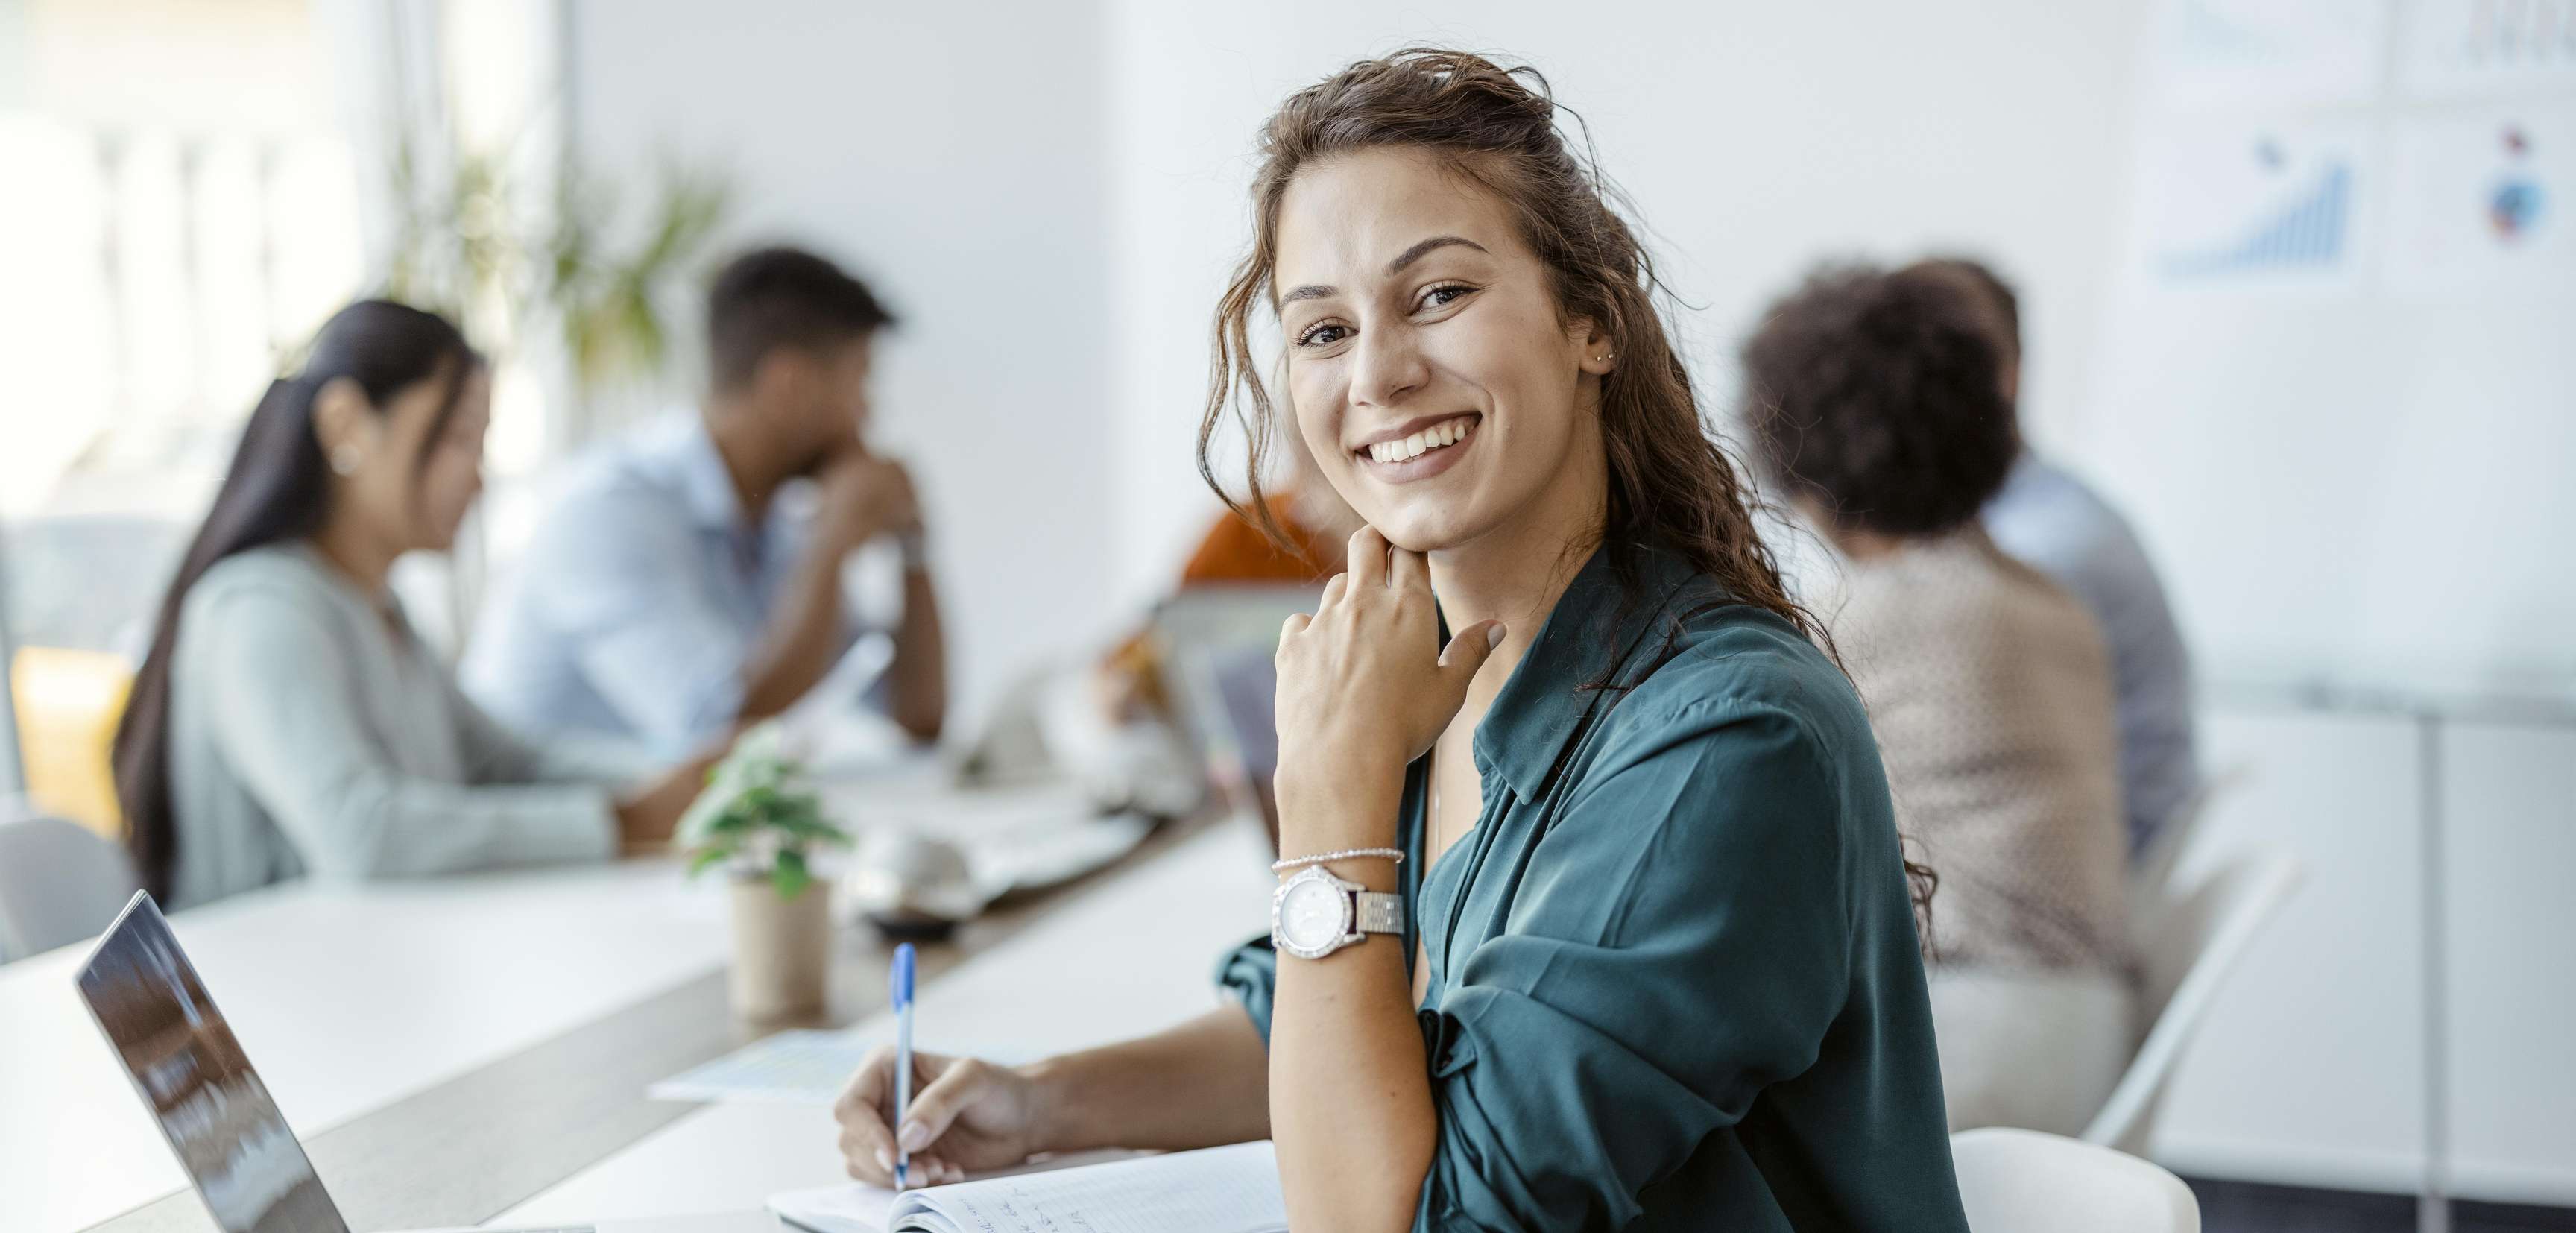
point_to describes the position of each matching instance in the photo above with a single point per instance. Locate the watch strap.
(1380, 912)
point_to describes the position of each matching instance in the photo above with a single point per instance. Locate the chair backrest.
(67, 704)
(2024, 1181)
(2186, 950)
(59, 883)
(2151, 870)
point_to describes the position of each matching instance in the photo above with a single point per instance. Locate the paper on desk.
(1216, 1190)
(803, 1067)
(851, 1208)
(856, 1207)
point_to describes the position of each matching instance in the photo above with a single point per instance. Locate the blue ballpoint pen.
(902, 982)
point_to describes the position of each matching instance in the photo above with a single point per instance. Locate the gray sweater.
(312, 732)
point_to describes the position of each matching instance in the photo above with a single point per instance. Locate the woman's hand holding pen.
(967, 1116)
(1362, 693)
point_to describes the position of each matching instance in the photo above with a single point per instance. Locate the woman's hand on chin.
(1362, 693)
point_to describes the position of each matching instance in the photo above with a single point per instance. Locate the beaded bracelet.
(1299, 862)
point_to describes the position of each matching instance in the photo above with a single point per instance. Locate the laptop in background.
(236, 1148)
(1218, 644)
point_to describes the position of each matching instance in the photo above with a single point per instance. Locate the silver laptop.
(245, 1163)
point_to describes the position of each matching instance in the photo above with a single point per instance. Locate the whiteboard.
(2338, 380)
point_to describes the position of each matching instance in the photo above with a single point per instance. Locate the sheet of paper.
(856, 1207)
(1219, 1190)
(836, 1209)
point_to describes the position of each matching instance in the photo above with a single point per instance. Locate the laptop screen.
(197, 1082)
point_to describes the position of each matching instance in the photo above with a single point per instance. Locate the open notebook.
(1218, 1190)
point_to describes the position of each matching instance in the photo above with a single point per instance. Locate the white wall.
(1055, 210)
(1755, 138)
(954, 159)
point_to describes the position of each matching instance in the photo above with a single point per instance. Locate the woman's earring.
(344, 459)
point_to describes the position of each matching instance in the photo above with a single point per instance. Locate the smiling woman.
(1594, 916)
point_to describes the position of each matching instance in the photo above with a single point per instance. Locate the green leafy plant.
(606, 301)
(759, 816)
(468, 243)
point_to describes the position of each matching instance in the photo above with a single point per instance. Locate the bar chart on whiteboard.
(2228, 203)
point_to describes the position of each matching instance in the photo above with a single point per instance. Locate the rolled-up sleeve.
(288, 722)
(1249, 974)
(623, 588)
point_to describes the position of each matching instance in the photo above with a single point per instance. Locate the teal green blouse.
(1674, 978)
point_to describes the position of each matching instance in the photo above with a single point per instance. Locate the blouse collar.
(1596, 627)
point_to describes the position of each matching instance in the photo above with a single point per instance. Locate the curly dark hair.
(1877, 398)
(1999, 296)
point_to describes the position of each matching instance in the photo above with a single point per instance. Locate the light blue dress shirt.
(2049, 520)
(639, 598)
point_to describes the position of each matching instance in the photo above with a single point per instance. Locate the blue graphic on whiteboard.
(2301, 52)
(2483, 48)
(2479, 200)
(2513, 205)
(2309, 232)
(2205, 32)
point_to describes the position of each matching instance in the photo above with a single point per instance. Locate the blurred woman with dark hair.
(287, 719)
(1877, 403)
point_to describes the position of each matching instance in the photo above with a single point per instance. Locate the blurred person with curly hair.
(1877, 402)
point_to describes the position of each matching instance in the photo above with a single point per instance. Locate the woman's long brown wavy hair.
(1670, 485)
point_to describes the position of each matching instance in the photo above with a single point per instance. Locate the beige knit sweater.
(1990, 692)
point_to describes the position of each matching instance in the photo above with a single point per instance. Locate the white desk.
(351, 999)
(346, 1000)
(1132, 955)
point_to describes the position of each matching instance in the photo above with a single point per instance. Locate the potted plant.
(761, 820)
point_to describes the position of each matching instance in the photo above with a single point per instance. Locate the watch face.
(1311, 915)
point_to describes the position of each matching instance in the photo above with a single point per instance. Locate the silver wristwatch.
(1314, 914)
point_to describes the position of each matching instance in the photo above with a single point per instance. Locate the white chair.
(2151, 873)
(2186, 949)
(59, 883)
(2023, 1181)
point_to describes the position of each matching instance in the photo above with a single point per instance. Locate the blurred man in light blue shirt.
(2050, 520)
(685, 580)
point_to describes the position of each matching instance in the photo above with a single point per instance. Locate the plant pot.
(782, 950)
